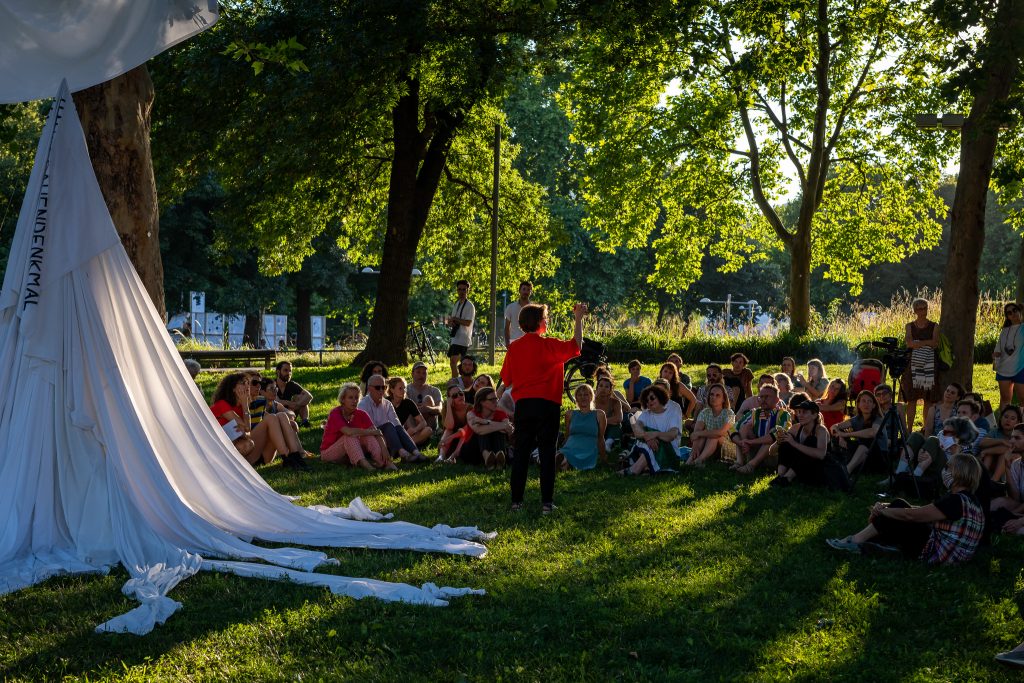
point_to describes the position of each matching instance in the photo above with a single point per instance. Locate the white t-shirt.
(512, 316)
(467, 312)
(665, 420)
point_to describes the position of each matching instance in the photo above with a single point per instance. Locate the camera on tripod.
(896, 358)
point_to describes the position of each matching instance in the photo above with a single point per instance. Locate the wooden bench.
(245, 357)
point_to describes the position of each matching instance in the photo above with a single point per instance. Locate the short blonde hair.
(587, 388)
(347, 387)
(966, 471)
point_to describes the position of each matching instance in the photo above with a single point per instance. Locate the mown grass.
(703, 576)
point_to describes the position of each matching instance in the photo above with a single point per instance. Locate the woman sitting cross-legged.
(349, 435)
(585, 430)
(710, 435)
(657, 429)
(803, 446)
(486, 432)
(863, 427)
(408, 413)
(946, 532)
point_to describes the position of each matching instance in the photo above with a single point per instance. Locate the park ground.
(701, 576)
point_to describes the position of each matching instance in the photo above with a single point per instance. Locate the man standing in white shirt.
(460, 322)
(512, 329)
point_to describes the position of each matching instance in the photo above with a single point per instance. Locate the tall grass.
(832, 336)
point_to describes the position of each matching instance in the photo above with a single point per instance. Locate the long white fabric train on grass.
(108, 453)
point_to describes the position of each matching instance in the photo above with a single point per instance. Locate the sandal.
(548, 508)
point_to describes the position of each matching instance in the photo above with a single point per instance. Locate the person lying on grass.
(803, 446)
(947, 531)
(710, 435)
(349, 435)
(585, 428)
(657, 429)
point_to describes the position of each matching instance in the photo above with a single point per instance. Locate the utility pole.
(494, 245)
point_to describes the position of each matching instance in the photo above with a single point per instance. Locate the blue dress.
(580, 448)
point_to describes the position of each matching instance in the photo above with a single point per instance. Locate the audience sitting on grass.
(608, 403)
(710, 435)
(883, 394)
(505, 400)
(350, 437)
(230, 401)
(738, 379)
(940, 411)
(971, 409)
(785, 384)
(788, 368)
(856, 434)
(754, 401)
(947, 531)
(678, 392)
(816, 382)
(926, 458)
(266, 403)
(486, 434)
(453, 419)
(193, 367)
(372, 367)
(269, 437)
(408, 413)
(467, 375)
(657, 429)
(291, 394)
(427, 398)
(636, 383)
(758, 434)
(833, 403)
(482, 381)
(1008, 509)
(585, 429)
(995, 447)
(802, 448)
(382, 412)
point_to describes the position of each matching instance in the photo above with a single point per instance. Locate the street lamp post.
(728, 306)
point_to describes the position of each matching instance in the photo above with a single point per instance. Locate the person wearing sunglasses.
(454, 416)
(1008, 357)
(489, 430)
(350, 437)
(382, 413)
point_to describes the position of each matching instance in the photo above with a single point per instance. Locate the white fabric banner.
(110, 454)
(87, 43)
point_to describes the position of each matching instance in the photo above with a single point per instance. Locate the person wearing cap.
(803, 446)
(426, 397)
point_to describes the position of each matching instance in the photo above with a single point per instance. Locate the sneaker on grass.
(846, 544)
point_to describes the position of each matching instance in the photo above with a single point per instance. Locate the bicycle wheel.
(578, 372)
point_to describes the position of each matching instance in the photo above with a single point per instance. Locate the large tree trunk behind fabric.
(967, 217)
(116, 120)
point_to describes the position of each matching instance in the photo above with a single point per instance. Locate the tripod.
(892, 427)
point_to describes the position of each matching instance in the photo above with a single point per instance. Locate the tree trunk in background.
(967, 217)
(800, 283)
(253, 333)
(116, 119)
(1020, 272)
(304, 336)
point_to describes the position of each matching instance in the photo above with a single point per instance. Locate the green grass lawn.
(702, 576)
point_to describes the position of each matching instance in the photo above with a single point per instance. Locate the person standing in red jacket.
(533, 371)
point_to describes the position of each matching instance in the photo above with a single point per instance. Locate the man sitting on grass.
(757, 435)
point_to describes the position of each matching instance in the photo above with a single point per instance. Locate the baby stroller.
(866, 374)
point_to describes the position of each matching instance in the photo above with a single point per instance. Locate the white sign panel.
(318, 329)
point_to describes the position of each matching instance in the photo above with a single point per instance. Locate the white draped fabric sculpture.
(86, 42)
(108, 453)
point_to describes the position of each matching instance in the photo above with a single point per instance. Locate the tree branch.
(855, 93)
(782, 126)
(467, 185)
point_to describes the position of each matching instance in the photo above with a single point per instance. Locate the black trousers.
(909, 537)
(537, 422)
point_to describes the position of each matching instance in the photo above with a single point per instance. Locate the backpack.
(944, 354)
(836, 476)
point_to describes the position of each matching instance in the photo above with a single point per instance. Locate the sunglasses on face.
(375, 386)
(456, 395)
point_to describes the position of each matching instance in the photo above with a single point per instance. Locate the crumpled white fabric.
(43, 41)
(108, 452)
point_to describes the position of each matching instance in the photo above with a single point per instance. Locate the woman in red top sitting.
(258, 444)
(488, 430)
(533, 371)
(349, 435)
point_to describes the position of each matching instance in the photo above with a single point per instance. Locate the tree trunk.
(967, 219)
(1020, 272)
(116, 120)
(800, 282)
(253, 332)
(415, 175)
(304, 336)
